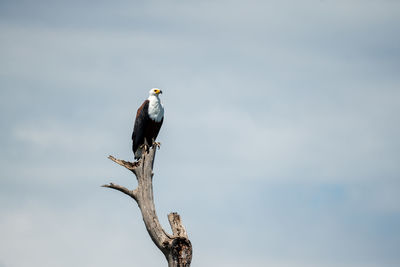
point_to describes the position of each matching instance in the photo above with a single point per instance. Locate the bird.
(149, 118)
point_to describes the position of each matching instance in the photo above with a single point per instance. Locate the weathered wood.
(176, 247)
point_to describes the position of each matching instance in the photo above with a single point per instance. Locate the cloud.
(289, 111)
(58, 136)
(66, 238)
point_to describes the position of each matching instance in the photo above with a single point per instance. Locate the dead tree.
(176, 247)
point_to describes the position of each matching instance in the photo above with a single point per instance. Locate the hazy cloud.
(290, 110)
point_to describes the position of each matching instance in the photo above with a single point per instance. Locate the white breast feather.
(156, 109)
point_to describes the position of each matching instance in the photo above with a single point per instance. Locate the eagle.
(149, 118)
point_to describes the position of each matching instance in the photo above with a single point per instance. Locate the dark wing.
(141, 121)
(157, 128)
(152, 130)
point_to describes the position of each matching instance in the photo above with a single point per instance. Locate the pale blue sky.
(280, 138)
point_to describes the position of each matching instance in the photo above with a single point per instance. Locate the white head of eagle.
(149, 118)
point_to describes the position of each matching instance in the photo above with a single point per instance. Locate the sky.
(280, 144)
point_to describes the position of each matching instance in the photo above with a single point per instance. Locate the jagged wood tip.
(129, 165)
(178, 230)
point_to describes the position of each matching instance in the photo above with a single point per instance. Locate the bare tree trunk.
(176, 247)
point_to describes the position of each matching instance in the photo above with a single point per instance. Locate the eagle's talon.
(157, 144)
(144, 147)
(135, 164)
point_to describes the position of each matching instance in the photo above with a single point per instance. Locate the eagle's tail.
(138, 153)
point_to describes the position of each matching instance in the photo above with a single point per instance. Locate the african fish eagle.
(149, 118)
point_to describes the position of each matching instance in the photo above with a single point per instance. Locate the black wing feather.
(141, 121)
(152, 130)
